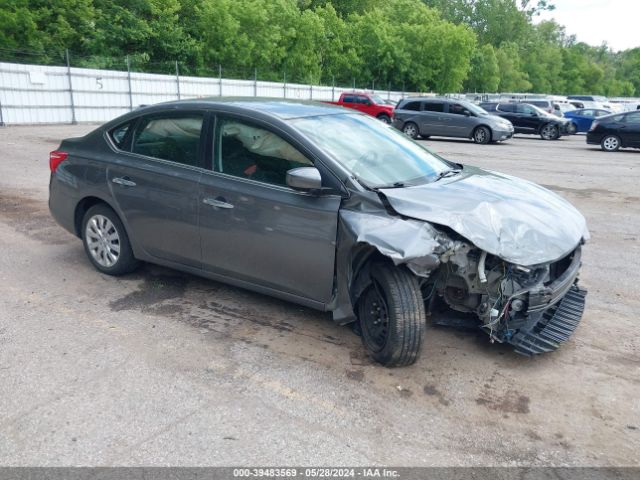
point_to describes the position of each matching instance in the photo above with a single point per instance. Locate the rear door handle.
(124, 181)
(216, 202)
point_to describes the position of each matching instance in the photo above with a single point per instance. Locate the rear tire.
(411, 129)
(549, 132)
(384, 118)
(482, 135)
(610, 143)
(392, 316)
(106, 242)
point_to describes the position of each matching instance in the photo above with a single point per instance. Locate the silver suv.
(444, 117)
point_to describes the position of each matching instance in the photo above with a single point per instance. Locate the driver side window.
(526, 109)
(247, 151)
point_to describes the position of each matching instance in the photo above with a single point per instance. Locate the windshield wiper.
(447, 173)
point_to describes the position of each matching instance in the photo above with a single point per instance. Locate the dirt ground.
(162, 368)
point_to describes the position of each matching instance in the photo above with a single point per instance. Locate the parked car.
(560, 108)
(546, 105)
(370, 104)
(591, 101)
(582, 118)
(443, 117)
(325, 208)
(612, 132)
(529, 119)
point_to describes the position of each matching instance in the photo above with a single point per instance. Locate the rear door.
(155, 185)
(350, 101)
(365, 105)
(585, 119)
(630, 130)
(508, 111)
(256, 229)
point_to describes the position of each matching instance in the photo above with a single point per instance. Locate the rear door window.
(506, 107)
(524, 108)
(415, 106)
(173, 137)
(118, 135)
(433, 106)
(633, 118)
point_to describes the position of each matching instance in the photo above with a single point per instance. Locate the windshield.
(376, 154)
(377, 99)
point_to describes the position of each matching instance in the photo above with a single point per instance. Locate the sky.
(616, 22)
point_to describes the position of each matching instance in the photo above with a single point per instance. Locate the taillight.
(594, 124)
(56, 158)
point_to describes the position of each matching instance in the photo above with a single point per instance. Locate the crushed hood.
(514, 219)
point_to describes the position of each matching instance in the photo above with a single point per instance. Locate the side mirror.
(467, 113)
(304, 178)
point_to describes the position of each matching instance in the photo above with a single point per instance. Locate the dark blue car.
(582, 118)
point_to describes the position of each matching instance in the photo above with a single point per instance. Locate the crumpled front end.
(535, 308)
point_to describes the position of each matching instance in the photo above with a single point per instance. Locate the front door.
(460, 120)
(528, 118)
(253, 226)
(155, 185)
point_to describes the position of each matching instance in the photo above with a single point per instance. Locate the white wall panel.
(31, 94)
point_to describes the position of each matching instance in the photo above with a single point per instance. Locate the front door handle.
(124, 181)
(216, 202)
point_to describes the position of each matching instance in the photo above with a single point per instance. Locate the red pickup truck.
(367, 103)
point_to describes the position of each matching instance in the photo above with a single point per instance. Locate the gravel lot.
(162, 368)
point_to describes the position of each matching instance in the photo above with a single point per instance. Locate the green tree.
(484, 75)
(512, 77)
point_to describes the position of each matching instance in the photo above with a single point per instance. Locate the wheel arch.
(473, 131)
(544, 124)
(363, 255)
(83, 206)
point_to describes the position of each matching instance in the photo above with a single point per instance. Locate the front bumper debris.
(553, 326)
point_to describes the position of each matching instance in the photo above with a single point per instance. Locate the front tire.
(549, 132)
(610, 143)
(384, 118)
(482, 135)
(411, 129)
(106, 242)
(392, 316)
(572, 128)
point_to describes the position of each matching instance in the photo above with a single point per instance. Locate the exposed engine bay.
(474, 289)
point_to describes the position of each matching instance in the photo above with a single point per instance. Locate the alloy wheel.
(610, 143)
(549, 132)
(411, 130)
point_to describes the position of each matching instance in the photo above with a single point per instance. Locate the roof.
(281, 108)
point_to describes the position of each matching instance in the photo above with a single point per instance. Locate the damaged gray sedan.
(330, 209)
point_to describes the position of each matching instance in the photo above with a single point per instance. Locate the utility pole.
(73, 107)
(178, 80)
(129, 82)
